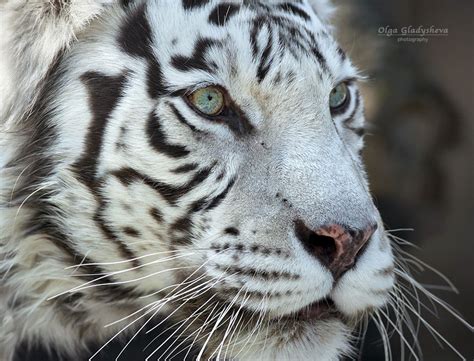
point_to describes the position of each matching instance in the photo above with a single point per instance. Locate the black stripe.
(289, 7)
(256, 273)
(185, 168)
(264, 65)
(218, 199)
(356, 107)
(130, 231)
(170, 193)
(156, 214)
(198, 205)
(183, 227)
(319, 57)
(222, 13)
(341, 53)
(128, 176)
(125, 3)
(197, 59)
(257, 24)
(104, 93)
(109, 233)
(181, 118)
(194, 4)
(155, 79)
(157, 139)
(135, 38)
(135, 34)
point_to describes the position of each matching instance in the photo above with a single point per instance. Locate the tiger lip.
(320, 310)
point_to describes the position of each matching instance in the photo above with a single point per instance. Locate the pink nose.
(335, 246)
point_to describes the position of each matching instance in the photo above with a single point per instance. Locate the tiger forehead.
(271, 30)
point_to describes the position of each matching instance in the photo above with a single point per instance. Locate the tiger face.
(204, 167)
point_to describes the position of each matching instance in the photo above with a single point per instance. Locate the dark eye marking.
(231, 114)
(222, 13)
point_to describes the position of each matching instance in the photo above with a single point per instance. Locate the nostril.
(324, 247)
(321, 246)
(336, 247)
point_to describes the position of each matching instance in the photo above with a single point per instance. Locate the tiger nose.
(335, 246)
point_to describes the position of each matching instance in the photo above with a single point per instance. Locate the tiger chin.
(194, 161)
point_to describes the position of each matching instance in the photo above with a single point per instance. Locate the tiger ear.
(33, 34)
(324, 9)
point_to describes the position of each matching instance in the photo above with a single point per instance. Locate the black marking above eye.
(135, 39)
(197, 59)
(222, 13)
(135, 34)
(194, 4)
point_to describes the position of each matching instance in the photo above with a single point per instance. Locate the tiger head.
(199, 161)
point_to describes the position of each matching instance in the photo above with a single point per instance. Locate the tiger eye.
(338, 96)
(208, 100)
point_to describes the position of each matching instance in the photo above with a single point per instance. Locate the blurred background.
(419, 153)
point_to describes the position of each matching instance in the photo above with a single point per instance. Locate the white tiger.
(194, 160)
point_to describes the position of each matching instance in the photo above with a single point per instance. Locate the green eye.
(208, 100)
(339, 96)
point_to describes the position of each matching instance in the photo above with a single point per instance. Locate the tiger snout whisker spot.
(188, 168)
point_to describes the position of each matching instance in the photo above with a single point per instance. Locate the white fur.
(308, 156)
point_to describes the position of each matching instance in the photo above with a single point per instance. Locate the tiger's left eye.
(338, 96)
(208, 100)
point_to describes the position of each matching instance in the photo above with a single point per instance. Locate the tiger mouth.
(320, 310)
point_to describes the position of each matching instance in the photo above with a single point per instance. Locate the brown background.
(419, 152)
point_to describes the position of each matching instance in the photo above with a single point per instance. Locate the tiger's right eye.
(208, 100)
